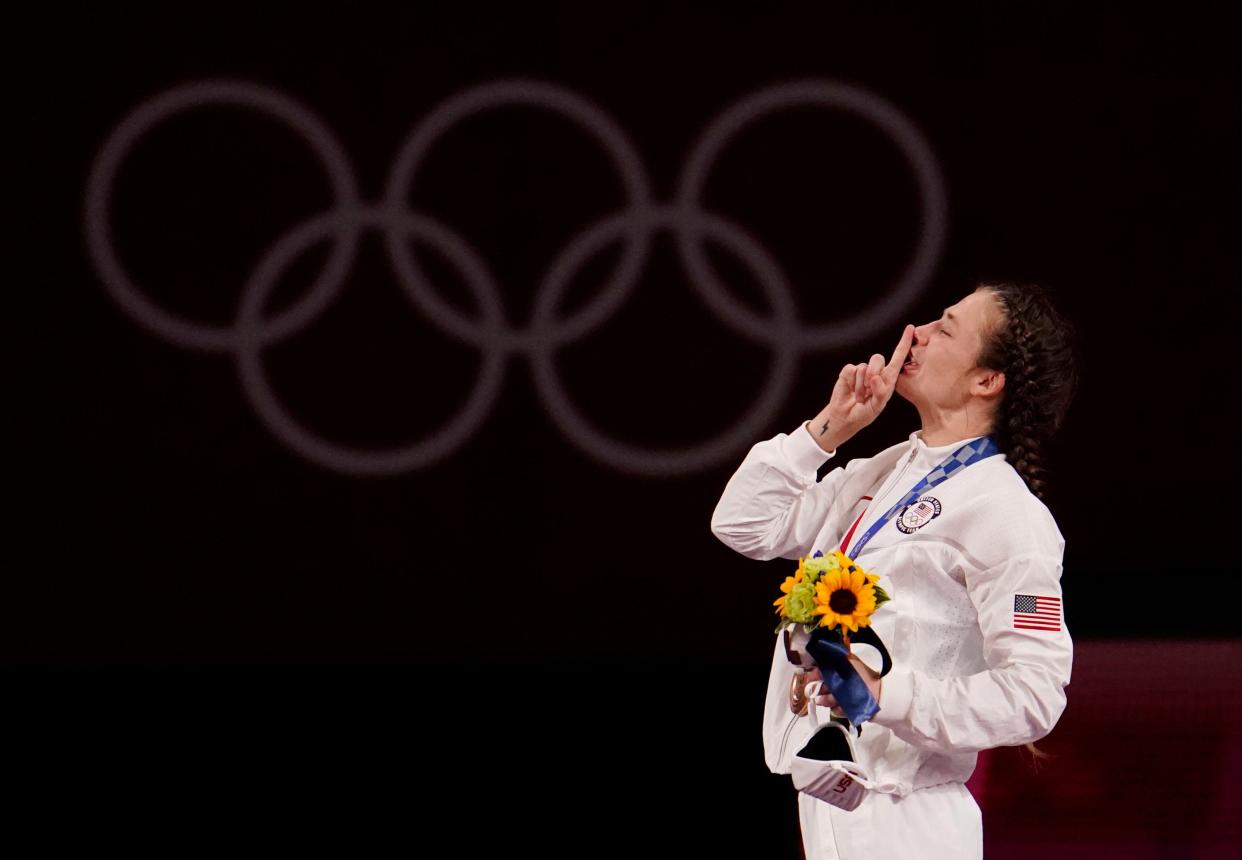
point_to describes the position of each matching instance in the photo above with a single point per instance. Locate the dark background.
(196, 604)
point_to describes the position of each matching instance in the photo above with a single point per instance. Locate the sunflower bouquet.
(831, 592)
(825, 600)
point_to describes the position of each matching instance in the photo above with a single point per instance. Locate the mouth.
(910, 364)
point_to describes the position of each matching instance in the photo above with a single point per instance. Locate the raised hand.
(860, 394)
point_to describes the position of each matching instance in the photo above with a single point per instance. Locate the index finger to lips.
(903, 349)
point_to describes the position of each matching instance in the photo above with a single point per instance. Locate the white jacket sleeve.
(773, 507)
(1019, 698)
(782, 734)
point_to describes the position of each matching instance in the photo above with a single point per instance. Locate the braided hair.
(1034, 346)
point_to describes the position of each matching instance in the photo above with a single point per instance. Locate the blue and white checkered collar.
(939, 451)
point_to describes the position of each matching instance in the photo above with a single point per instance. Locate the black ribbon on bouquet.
(848, 687)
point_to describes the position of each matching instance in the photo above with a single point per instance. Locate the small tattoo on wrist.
(825, 430)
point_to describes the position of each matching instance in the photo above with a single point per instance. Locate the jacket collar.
(916, 442)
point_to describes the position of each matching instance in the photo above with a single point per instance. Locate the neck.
(940, 427)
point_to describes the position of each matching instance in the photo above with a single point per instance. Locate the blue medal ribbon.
(848, 688)
(972, 452)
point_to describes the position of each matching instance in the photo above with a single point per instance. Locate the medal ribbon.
(972, 452)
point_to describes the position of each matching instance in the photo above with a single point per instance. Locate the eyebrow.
(949, 315)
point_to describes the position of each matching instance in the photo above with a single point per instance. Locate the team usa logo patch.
(1036, 612)
(918, 514)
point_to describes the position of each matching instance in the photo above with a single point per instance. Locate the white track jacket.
(981, 654)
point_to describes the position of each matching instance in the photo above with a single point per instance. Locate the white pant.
(941, 822)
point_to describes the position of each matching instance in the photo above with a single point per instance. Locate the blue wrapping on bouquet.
(842, 679)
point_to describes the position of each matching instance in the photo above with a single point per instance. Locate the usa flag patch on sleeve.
(1035, 612)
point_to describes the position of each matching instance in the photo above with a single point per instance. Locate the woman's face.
(944, 354)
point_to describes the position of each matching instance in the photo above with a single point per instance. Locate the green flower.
(800, 603)
(813, 568)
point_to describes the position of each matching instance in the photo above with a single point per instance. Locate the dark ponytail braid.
(1034, 346)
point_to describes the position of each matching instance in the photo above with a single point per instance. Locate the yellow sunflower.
(850, 564)
(845, 597)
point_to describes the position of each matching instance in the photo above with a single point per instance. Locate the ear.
(990, 383)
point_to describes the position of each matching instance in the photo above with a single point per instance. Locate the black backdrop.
(209, 602)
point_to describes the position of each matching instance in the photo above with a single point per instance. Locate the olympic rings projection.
(634, 227)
